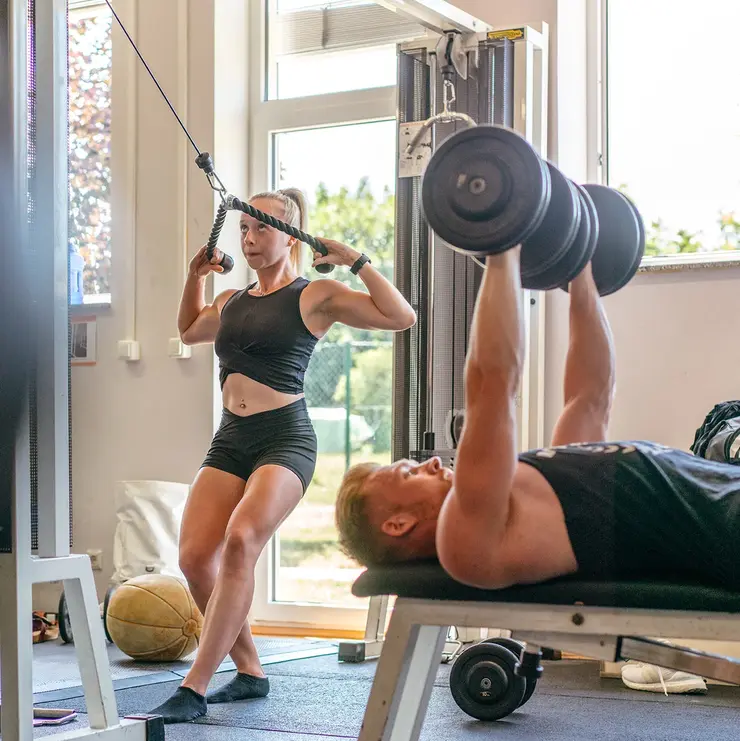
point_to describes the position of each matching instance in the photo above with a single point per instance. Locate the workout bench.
(599, 620)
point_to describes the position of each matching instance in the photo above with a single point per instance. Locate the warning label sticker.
(512, 34)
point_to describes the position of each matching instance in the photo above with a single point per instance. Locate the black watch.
(361, 260)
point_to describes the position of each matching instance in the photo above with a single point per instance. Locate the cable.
(205, 163)
(151, 74)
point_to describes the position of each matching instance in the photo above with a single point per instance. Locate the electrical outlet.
(96, 559)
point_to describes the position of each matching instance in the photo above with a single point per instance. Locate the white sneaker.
(649, 678)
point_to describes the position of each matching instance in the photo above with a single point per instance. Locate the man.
(602, 510)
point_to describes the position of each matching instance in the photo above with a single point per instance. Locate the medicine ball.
(154, 618)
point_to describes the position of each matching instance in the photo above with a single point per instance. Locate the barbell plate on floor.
(584, 245)
(552, 240)
(485, 190)
(621, 242)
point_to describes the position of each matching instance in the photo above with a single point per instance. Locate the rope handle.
(234, 203)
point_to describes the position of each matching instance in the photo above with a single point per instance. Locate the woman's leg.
(212, 500)
(272, 493)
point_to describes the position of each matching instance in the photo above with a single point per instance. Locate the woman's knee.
(242, 547)
(198, 563)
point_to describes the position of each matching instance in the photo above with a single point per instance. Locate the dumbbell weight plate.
(641, 246)
(485, 190)
(621, 241)
(554, 237)
(582, 250)
(483, 682)
(516, 648)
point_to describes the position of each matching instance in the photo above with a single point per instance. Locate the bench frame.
(416, 635)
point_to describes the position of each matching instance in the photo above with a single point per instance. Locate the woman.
(263, 455)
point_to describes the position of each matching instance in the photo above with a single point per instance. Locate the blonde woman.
(263, 455)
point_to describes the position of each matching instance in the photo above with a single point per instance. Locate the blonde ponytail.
(295, 210)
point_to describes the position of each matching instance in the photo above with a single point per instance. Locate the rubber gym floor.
(317, 698)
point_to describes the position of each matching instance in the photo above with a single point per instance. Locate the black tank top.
(641, 510)
(265, 339)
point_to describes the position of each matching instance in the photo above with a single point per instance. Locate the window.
(89, 153)
(324, 122)
(331, 47)
(348, 382)
(674, 121)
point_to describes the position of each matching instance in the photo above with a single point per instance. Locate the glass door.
(348, 175)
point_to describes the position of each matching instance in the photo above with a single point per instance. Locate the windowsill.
(693, 261)
(94, 309)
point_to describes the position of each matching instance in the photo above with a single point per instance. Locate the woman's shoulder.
(225, 296)
(320, 289)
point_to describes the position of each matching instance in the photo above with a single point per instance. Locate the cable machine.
(464, 74)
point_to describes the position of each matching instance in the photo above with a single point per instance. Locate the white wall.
(153, 419)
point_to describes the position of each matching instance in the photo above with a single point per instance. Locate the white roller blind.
(76, 4)
(338, 26)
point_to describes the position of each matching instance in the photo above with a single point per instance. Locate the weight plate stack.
(485, 190)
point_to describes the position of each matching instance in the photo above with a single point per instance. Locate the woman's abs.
(244, 396)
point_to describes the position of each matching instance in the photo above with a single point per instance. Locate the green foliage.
(661, 241)
(366, 224)
(89, 147)
(730, 227)
(371, 391)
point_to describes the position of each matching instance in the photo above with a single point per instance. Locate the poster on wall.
(84, 336)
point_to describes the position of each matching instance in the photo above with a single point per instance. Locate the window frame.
(268, 118)
(598, 141)
(104, 302)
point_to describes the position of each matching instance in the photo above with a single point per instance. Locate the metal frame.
(408, 665)
(529, 108)
(597, 99)
(19, 569)
(355, 652)
(438, 16)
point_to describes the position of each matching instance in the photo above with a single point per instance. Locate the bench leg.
(92, 655)
(403, 682)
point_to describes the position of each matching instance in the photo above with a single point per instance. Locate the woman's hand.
(338, 254)
(200, 265)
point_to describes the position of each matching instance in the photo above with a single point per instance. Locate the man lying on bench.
(604, 510)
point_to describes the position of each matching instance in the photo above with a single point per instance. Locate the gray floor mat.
(55, 667)
(574, 705)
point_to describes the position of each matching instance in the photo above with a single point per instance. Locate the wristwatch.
(361, 260)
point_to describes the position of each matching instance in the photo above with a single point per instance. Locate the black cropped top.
(265, 338)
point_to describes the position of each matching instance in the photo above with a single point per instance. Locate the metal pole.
(15, 566)
(50, 248)
(429, 420)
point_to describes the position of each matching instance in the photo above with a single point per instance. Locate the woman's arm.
(382, 307)
(197, 322)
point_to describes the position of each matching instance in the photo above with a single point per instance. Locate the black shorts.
(281, 437)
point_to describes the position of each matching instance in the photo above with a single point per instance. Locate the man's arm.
(475, 514)
(589, 367)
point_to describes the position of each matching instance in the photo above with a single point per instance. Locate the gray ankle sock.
(185, 705)
(241, 687)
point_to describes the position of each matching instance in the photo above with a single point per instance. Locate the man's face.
(407, 494)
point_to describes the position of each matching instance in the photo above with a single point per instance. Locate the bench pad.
(427, 580)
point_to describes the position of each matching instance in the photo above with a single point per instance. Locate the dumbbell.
(486, 190)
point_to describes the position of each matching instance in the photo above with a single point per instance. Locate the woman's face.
(263, 245)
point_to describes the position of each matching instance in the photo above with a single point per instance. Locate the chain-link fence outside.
(349, 393)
